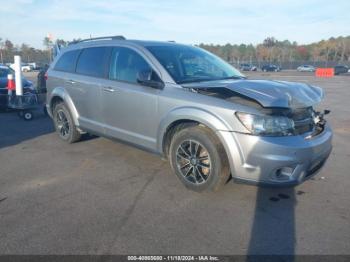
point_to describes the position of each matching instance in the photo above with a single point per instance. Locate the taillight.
(45, 76)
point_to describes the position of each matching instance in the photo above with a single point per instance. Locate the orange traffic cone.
(11, 85)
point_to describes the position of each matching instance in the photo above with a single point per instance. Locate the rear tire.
(64, 124)
(198, 159)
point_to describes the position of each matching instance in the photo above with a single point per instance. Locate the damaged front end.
(285, 108)
(282, 139)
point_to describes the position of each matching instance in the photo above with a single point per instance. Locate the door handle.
(70, 82)
(108, 89)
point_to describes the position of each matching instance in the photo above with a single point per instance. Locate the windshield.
(188, 64)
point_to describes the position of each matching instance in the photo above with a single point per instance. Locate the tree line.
(271, 50)
(28, 53)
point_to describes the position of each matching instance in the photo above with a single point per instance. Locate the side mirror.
(146, 77)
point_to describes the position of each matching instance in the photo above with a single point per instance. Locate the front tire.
(64, 124)
(198, 159)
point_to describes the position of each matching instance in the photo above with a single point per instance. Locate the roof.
(121, 39)
(154, 43)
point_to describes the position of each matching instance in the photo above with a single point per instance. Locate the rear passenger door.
(130, 109)
(85, 87)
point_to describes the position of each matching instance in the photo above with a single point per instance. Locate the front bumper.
(276, 160)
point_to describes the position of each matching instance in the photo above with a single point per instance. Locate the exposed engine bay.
(293, 100)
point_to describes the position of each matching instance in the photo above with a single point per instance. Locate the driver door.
(130, 109)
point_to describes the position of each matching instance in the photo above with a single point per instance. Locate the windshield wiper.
(232, 77)
(195, 80)
(209, 79)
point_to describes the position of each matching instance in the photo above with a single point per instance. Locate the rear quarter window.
(94, 61)
(67, 61)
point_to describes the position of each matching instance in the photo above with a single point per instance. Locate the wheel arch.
(182, 118)
(59, 94)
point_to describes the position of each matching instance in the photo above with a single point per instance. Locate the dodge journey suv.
(190, 107)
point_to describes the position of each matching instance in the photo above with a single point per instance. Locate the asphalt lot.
(104, 197)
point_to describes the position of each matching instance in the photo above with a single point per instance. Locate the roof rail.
(115, 37)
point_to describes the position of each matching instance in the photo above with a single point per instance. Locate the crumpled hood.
(270, 93)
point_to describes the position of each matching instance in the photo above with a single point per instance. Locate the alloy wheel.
(62, 123)
(193, 161)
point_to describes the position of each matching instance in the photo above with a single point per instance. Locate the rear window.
(67, 61)
(5, 71)
(93, 61)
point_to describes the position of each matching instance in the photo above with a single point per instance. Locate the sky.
(190, 22)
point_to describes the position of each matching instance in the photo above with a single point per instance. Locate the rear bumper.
(276, 161)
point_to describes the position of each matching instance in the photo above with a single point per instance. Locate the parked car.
(4, 71)
(34, 66)
(270, 68)
(306, 68)
(340, 69)
(208, 120)
(24, 67)
(248, 67)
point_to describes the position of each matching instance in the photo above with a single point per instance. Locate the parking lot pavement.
(104, 197)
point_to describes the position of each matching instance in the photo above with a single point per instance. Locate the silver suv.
(190, 107)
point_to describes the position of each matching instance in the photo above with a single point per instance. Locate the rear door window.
(67, 61)
(93, 61)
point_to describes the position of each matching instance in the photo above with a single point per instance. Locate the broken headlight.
(266, 124)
